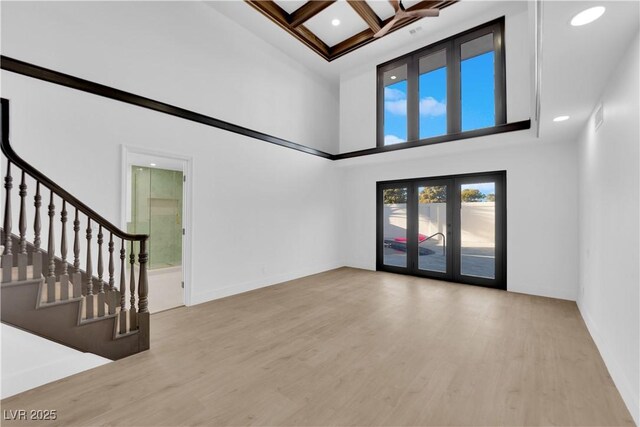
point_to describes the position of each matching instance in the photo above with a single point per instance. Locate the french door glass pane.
(395, 226)
(477, 79)
(432, 228)
(433, 94)
(477, 229)
(395, 105)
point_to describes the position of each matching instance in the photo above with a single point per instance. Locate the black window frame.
(454, 105)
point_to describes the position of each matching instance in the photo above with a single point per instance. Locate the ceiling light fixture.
(393, 77)
(561, 118)
(587, 16)
(152, 164)
(335, 22)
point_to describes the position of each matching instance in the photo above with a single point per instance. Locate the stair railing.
(54, 266)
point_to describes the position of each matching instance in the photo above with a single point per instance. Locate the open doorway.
(156, 204)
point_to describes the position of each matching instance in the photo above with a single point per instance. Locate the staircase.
(59, 299)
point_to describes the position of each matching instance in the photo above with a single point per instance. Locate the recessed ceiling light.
(587, 16)
(393, 77)
(335, 22)
(152, 164)
(561, 118)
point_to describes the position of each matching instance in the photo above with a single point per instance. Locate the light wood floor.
(351, 347)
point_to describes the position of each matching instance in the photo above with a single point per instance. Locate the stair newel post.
(143, 302)
(51, 249)
(76, 277)
(143, 285)
(89, 273)
(101, 294)
(133, 324)
(123, 290)
(64, 277)
(22, 227)
(37, 227)
(7, 256)
(112, 285)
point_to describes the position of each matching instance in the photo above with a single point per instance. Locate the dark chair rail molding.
(56, 77)
(476, 133)
(51, 76)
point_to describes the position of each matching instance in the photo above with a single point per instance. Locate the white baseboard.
(616, 372)
(259, 283)
(566, 294)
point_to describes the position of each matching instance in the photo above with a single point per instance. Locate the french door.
(450, 228)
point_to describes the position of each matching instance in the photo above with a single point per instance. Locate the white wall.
(541, 242)
(610, 231)
(172, 52)
(45, 361)
(358, 86)
(75, 138)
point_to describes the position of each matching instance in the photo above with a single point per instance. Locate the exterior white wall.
(172, 52)
(358, 87)
(76, 139)
(541, 241)
(610, 231)
(477, 218)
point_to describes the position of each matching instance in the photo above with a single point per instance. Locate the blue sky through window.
(477, 92)
(395, 113)
(433, 103)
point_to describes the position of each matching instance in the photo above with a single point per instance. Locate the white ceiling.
(382, 8)
(577, 61)
(290, 6)
(350, 23)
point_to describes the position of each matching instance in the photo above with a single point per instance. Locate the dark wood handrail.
(7, 150)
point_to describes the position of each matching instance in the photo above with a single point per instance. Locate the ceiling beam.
(278, 15)
(308, 11)
(271, 10)
(365, 37)
(366, 13)
(313, 41)
(351, 43)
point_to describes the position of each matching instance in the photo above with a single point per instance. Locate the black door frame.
(453, 183)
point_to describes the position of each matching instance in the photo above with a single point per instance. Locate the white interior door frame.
(165, 160)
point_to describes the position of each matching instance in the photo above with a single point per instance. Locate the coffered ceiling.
(336, 27)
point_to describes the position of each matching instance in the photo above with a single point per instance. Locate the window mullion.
(413, 101)
(454, 109)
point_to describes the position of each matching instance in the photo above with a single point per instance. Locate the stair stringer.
(62, 322)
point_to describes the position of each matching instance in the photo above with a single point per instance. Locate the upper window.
(452, 86)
